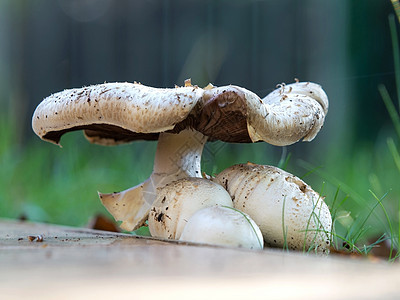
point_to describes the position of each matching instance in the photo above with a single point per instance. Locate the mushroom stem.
(177, 156)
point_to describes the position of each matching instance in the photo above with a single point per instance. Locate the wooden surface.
(73, 263)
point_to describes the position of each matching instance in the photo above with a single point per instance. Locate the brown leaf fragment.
(35, 238)
(100, 222)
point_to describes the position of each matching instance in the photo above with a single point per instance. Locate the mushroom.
(223, 226)
(287, 210)
(115, 113)
(182, 119)
(177, 201)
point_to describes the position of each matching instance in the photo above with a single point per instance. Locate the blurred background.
(344, 45)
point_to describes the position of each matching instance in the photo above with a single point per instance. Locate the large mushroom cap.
(113, 113)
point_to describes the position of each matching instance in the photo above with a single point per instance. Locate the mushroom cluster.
(244, 205)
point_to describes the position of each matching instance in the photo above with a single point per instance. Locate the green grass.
(47, 183)
(351, 186)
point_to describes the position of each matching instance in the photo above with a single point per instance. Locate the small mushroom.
(288, 212)
(223, 226)
(179, 200)
(181, 119)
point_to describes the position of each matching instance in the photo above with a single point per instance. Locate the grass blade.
(390, 108)
(310, 172)
(337, 208)
(395, 46)
(348, 242)
(284, 228)
(362, 229)
(395, 153)
(334, 209)
(388, 220)
(396, 6)
(248, 220)
(317, 220)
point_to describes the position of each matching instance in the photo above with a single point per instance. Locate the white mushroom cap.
(179, 200)
(113, 113)
(223, 226)
(267, 193)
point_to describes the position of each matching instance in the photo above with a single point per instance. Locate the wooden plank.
(74, 263)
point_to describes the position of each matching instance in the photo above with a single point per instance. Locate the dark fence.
(49, 45)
